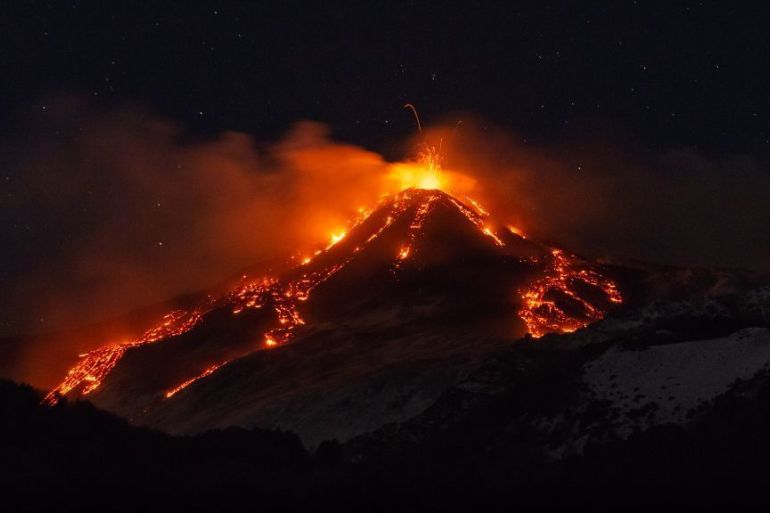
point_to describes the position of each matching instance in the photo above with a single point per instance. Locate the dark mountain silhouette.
(370, 331)
(393, 371)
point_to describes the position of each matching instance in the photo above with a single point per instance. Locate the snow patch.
(661, 384)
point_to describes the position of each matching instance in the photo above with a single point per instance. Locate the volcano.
(368, 330)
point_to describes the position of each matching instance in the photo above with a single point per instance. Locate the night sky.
(671, 74)
(678, 90)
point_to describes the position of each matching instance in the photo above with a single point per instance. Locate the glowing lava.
(335, 238)
(285, 298)
(540, 309)
(94, 365)
(416, 226)
(516, 231)
(208, 372)
(542, 302)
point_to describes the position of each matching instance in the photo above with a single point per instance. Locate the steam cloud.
(613, 199)
(108, 211)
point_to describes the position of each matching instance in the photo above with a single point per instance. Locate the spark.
(416, 117)
(424, 173)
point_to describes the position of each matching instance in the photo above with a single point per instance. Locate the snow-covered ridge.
(663, 383)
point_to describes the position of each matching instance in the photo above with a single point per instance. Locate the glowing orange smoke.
(424, 173)
(427, 171)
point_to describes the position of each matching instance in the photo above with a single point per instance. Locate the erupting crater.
(403, 301)
(551, 299)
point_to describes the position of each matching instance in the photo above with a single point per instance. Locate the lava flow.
(415, 227)
(540, 309)
(94, 365)
(420, 183)
(181, 386)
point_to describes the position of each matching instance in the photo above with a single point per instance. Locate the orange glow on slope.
(285, 299)
(208, 372)
(93, 366)
(477, 206)
(489, 233)
(541, 313)
(516, 231)
(478, 219)
(416, 225)
(417, 180)
(334, 238)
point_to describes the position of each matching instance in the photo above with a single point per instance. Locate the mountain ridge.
(423, 280)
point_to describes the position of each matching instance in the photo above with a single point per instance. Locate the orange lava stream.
(425, 174)
(93, 366)
(477, 206)
(478, 219)
(284, 299)
(543, 315)
(415, 227)
(208, 372)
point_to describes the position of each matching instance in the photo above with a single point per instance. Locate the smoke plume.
(109, 210)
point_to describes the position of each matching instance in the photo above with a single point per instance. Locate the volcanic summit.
(371, 327)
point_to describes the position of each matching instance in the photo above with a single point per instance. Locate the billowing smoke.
(608, 198)
(107, 211)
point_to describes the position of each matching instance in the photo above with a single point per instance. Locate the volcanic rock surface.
(371, 331)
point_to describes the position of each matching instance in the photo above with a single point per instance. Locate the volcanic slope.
(369, 330)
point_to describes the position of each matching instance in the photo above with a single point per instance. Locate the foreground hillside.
(667, 404)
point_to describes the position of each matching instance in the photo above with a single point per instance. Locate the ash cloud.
(606, 197)
(106, 211)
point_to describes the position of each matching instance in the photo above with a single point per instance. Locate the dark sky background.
(663, 77)
(672, 73)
